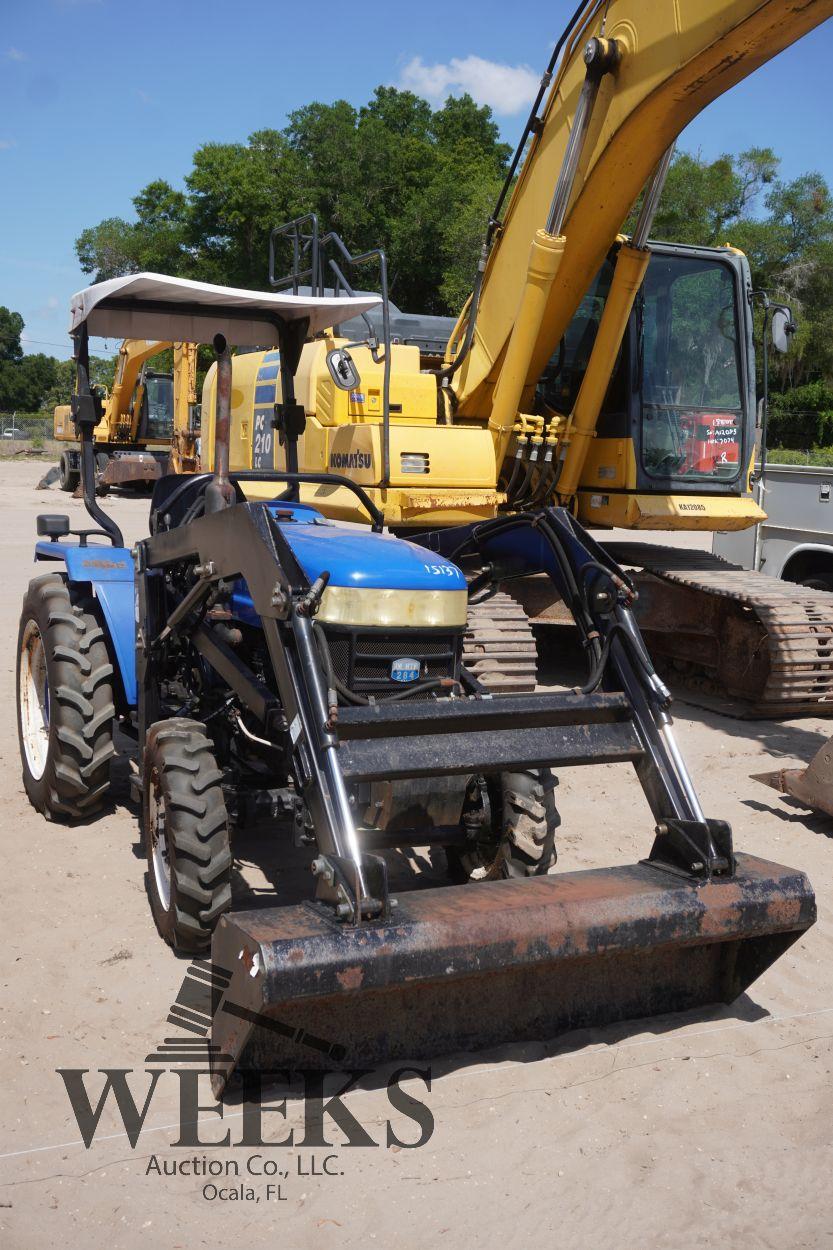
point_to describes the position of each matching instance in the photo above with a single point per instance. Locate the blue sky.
(97, 97)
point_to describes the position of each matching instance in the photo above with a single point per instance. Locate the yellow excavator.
(587, 368)
(149, 421)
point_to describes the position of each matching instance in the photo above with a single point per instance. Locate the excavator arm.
(184, 455)
(598, 138)
(118, 412)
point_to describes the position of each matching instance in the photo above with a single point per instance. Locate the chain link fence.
(27, 434)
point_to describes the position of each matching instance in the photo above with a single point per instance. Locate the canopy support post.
(219, 493)
(86, 414)
(290, 418)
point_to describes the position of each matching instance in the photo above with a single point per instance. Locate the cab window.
(689, 368)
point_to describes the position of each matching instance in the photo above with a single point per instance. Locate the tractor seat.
(178, 498)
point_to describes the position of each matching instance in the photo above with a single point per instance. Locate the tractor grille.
(362, 659)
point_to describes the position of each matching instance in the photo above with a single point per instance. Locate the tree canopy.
(784, 227)
(393, 174)
(421, 183)
(36, 383)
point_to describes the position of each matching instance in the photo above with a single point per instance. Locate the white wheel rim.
(159, 843)
(33, 701)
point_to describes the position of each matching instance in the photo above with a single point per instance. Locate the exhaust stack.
(219, 493)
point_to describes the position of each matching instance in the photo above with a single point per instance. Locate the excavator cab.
(154, 397)
(678, 417)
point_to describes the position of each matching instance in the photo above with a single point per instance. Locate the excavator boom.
(672, 59)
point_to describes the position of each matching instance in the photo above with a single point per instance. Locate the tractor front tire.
(65, 706)
(186, 834)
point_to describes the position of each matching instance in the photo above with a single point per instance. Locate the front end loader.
(275, 664)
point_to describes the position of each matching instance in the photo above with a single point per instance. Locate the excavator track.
(499, 645)
(727, 632)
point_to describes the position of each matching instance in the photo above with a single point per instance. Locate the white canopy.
(152, 306)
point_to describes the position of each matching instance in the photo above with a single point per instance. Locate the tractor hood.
(375, 579)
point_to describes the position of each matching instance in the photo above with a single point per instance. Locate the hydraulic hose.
(361, 700)
(620, 578)
(575, 595)
(588, 11)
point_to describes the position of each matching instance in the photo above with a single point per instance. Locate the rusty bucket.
(463, 967)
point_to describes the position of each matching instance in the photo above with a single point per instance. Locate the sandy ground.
(680, 1131)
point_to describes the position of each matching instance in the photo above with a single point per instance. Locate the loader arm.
(669, 61)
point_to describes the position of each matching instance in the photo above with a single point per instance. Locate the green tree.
(236, 193)
(703, 202)
(25, 383)
(784, 227)
(62, 385)
(394, 173)
(37, 383)
(421, 183)
(156, 240)
(802, 418)
(60, 390)
(11, 328)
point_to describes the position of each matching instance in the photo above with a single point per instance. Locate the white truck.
(796, 540)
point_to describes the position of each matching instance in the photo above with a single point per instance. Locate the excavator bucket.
(462, 967)
(812, 786)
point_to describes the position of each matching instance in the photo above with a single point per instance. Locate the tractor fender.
(109, 572)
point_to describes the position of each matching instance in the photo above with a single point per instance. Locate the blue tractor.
(270, 663)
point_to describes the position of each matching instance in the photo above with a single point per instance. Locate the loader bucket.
(463, 967)
(812, 786)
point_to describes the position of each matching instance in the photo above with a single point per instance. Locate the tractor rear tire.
(529, 819)
(520, 820)
(65, 705)
(186, 833)
(69, 478)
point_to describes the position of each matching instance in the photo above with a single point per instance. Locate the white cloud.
(5, 144)
(48, 311)
(505, 88)
(14, 54)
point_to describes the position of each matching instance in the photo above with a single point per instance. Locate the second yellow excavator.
(149, 420)
(587, 369)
